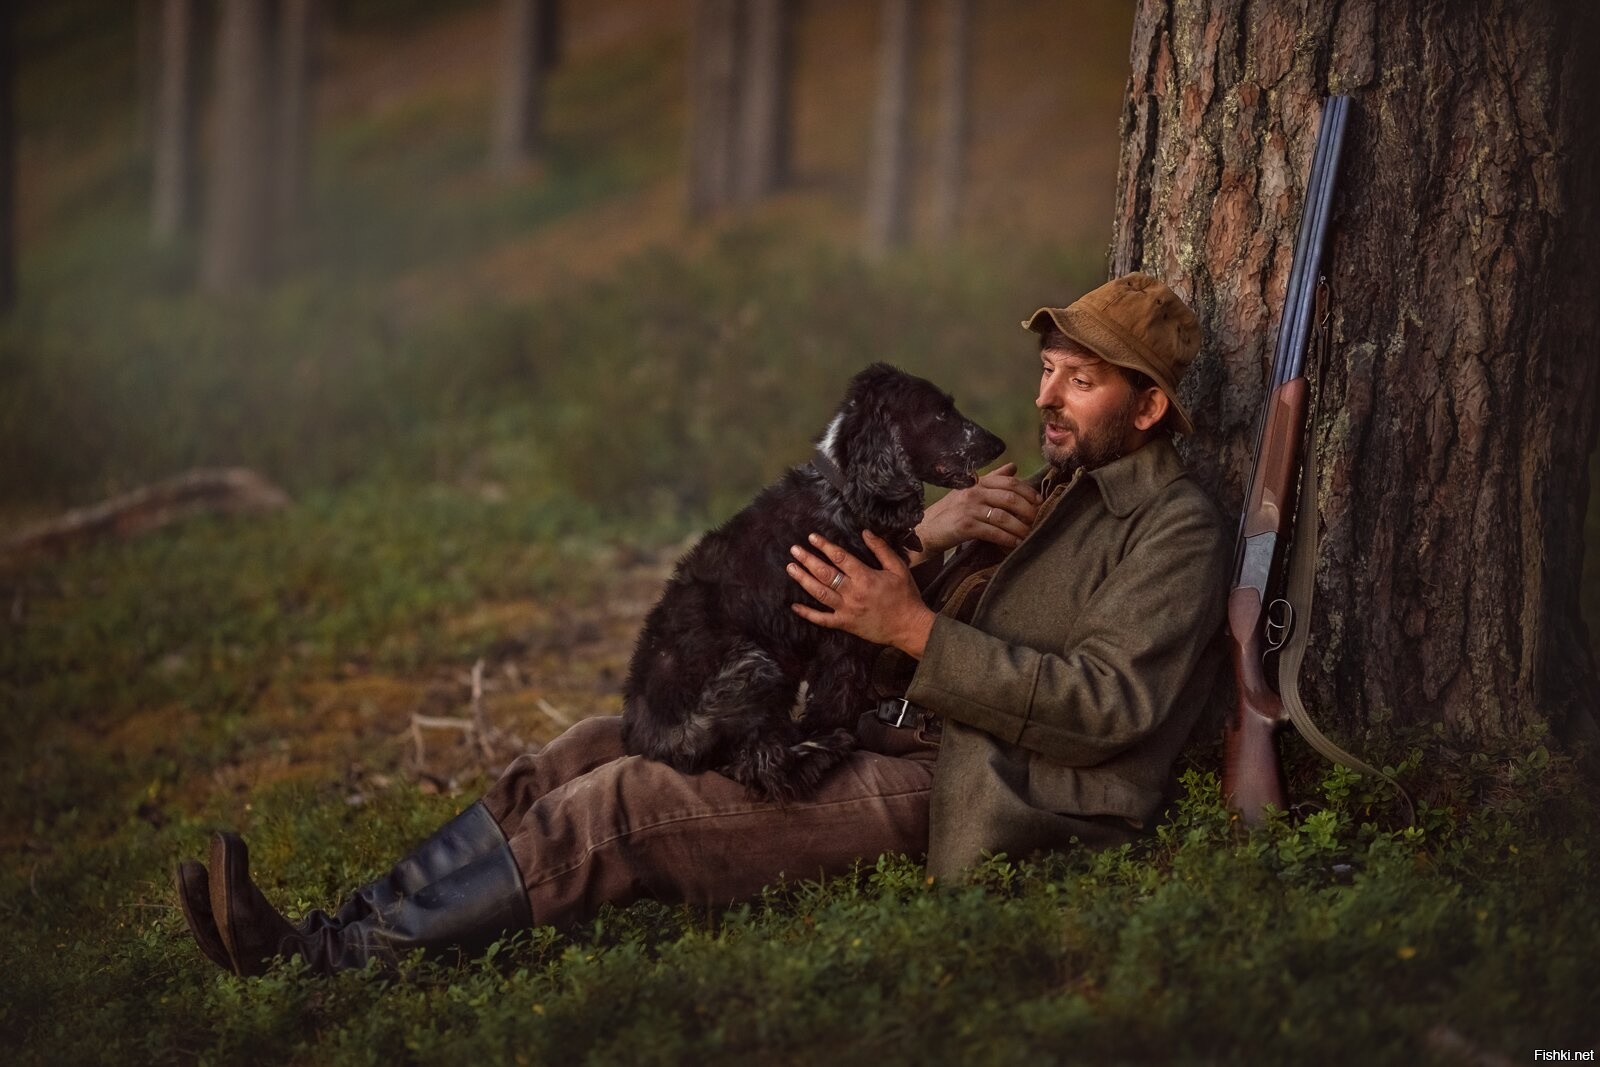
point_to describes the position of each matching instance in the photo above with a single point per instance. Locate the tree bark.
(519, 107)
(1459, 404)
(950, 154)
(296, 57)
(714, 91)
(8, 156)
(237, 249)
(762, 141)
(173, 163)
(888, 176)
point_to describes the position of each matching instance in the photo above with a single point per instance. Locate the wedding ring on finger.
(838, 580)
(988, 515)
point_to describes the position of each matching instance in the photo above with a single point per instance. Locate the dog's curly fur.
(721, 657)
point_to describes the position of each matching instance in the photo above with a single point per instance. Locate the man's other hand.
(1000, 509)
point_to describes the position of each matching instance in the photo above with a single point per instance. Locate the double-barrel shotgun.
(1258, 623)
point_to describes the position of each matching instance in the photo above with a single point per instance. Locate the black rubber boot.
(463, 911)
(454, 845)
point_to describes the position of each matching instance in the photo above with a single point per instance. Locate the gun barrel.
(1288, 358)
(1318, 190)
(1313, 236)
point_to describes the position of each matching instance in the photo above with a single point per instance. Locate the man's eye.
(1080, 381)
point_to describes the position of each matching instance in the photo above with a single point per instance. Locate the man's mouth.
(1055, 434)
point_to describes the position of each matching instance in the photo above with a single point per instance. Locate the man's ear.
(1153, 406)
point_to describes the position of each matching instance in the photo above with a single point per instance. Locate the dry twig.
(488, 739)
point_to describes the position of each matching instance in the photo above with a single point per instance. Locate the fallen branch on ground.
(203, 491)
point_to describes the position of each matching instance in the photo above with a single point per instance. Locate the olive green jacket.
(1087, 662)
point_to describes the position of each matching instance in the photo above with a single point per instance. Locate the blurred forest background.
(508, 297)
(360, 238)
(500, 294)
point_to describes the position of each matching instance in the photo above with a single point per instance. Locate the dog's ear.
(880, 485)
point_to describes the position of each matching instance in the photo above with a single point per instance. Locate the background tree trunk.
(950, 153)
(551, 39)
(296, 58)
(8, 156)
(519, 107)
(1459, 407)
(714, 90)
(173, 162)
(762, 141)
(237, 250)
(148, 68)
(888, 176)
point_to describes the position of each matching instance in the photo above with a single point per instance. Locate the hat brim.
(1111, 345)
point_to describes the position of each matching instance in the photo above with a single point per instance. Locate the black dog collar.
(828, 469)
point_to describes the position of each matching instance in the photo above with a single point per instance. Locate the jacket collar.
(1128, 482)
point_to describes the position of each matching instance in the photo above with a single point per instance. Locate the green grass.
(1327, 941)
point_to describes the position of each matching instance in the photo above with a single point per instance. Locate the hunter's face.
(1087, 408)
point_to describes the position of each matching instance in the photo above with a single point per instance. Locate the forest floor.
(500, 409)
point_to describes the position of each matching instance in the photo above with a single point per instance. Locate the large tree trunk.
(762, 139)
(1459, 403)
(519, 105)
(173, 163)
(889, 173)
(237, 252)
(296, 48)
(714, 92)
(950, 153)
(8, 156)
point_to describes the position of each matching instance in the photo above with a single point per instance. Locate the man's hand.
(1000, 508)
(881, 606)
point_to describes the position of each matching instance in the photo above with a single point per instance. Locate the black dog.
(721, 656)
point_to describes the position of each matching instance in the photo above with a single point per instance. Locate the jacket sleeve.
(1124, 662)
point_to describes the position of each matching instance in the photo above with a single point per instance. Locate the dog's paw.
(784, 773)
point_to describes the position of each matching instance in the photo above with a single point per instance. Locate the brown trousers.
(589, 825)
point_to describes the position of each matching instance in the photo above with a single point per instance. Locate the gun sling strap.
(1301, 586)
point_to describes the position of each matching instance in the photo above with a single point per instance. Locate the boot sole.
(191, 880)
(225, 863)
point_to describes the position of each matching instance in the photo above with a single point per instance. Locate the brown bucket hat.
(1134, 321)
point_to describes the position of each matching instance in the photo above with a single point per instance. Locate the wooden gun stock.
(1252, 776)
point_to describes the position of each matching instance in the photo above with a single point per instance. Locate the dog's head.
(896, 431)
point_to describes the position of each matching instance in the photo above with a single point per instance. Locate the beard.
(1099, 446)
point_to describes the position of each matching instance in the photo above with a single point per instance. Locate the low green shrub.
(1329, 938)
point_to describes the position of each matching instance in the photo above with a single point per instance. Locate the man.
(1045, 699)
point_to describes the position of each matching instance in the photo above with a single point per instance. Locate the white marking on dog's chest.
(830, 437)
